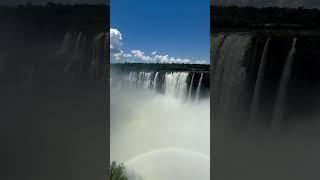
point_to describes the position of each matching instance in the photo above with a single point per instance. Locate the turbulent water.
(155, 129)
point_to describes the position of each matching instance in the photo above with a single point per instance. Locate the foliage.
(159, 67)
(118, 171)
(256, 18)
(60, 17)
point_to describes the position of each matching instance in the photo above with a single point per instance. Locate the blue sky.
(176, 28)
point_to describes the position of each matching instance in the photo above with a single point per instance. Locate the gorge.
(264, 106)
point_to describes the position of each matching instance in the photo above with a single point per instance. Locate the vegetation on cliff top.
(234, 17)
(160, 67)
(60, 17)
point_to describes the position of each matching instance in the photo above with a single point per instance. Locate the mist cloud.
(167, 138)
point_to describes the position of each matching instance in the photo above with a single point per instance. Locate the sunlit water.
(159, 136)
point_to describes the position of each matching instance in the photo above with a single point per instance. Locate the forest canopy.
(61, 17)
(264, 18)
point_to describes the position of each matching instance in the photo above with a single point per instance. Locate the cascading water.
(173, 84)
(97, 47)
(176, 84)
(281, 102)
(132, 79)
(260, 77)
(97, 54)
(190, 88)
(140, 79)
(67, 42)
(230, 75)
(252, 78)
(155, 82)
(78, 43)
(279, 107)
(83, 52)
(146, 80)
(198, 88)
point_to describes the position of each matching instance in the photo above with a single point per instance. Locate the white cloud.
(118, 55)
(138, 55)
(167, 59)
(127, 55)
(200, 62)
(115, 41)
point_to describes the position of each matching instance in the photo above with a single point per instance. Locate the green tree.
(118, 171)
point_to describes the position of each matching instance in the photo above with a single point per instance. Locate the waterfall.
(65, 44)
(141, 80)
(146, 80)
(76, 53)
(279, 107)
(155, 80)
(260, 77)
(190, 88)
(176, 84)
(97, 48)
(198, 89)
(97, 54)
(132, 79)
(229, 80)
(78, 42)
(74, 43)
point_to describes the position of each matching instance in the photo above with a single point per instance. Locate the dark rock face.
(234, 19)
